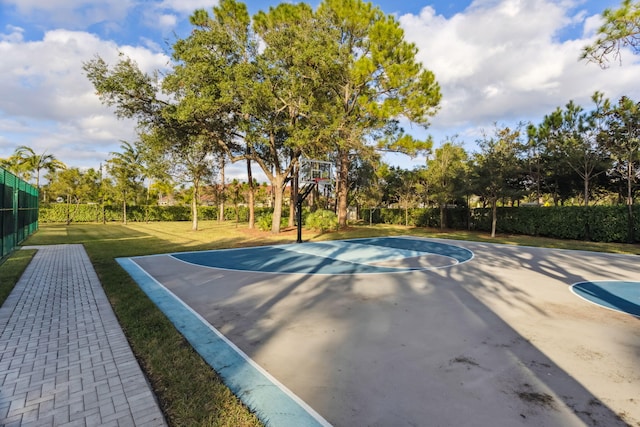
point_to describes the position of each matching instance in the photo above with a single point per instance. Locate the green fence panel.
(18, 211)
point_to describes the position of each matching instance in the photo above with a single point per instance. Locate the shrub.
(322, 220)
(265, 220)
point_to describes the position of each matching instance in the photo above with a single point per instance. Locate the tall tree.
(497, 165)
(13, 165)
(409, 191)
(445, 175)
(536, 145)
(375, 80)
(343, 76)
(32, 163)
(547, 169)
(401, 187)
(220, 91)
(157, 169)
(621, 29)
(126, 170)
(194, 120)
(573, 136)
(190, 161)
(365, 189)
(285, 103)
(369, 192)
(75, 187)
(236, 196)
(622, 137)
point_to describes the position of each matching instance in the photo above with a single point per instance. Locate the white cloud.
(497, 61)
(72, 14)
(47, 102)
(112, 16)
(168, 15)
(188, 6)
(167, 21)
(150, 44)
(591, 25)
(15, 35)
(502, 61)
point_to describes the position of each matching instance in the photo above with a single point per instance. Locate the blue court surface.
(398, 331)
(615, 295)
(361, 256)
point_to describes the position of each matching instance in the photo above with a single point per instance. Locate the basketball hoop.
(317, 172)
(322, 184)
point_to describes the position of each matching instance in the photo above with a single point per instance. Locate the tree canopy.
(329, 83)
(620, 30)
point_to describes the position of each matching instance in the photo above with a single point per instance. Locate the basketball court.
(411, 331)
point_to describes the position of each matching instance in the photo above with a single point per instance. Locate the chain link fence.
(18, 211)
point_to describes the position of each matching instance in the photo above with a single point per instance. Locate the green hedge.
(57, 212)
(456, 218)
(595, 223)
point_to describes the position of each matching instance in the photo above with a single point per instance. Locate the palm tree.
(126, 170)
(29, 162)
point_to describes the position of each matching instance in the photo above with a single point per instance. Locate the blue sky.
(497, 61)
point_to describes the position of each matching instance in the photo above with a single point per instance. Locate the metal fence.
(18, 211)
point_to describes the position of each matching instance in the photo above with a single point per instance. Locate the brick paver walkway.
(64, 359)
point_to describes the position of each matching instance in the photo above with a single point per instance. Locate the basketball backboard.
(314, 172)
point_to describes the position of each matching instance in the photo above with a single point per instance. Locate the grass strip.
(11, 269)
(189, 391)
(382, 230)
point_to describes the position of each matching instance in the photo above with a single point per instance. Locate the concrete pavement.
(64, 359)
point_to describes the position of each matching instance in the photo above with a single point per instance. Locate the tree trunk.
(494, 216)
(292, 203)
(586, 191)
(68, 209)
(442, 222)
(194, 206)
(124, 210)
(630, 236)
(252, 213)
(406, 214)
(222, 192)
(277, 185)
(538, 186)
(342, 187)
(146, 204)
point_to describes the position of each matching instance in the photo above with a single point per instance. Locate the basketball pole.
(302, 195)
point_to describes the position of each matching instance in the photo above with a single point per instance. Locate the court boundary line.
(291, 410)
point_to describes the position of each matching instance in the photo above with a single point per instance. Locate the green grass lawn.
(11, 270)
(190, 393)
